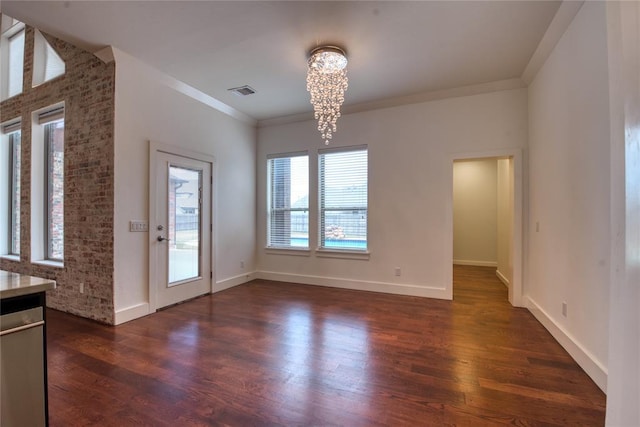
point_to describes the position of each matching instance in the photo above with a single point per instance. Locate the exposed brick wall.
(87, 88)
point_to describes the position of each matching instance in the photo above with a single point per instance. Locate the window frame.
(15, 138)
(10, 223)
(45, 59)
(270, 210)
(342, 252)
(39, 244)
(11, 28)
(48, 186)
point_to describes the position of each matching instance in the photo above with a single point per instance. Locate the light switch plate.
(138, 225)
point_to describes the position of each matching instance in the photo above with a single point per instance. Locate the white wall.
(623, 386)
(411, 150)
(148, 108)
(475, 212)
(568, 259)
(505, 219)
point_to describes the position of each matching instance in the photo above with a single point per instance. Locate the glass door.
(182, 228)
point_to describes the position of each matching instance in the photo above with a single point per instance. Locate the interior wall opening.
(483, 218)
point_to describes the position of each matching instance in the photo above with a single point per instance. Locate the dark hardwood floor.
(271, 354)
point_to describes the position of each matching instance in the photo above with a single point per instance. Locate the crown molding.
(469, 90)
(183, 88)
(564, 16)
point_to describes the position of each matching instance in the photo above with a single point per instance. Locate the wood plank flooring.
(279, 354)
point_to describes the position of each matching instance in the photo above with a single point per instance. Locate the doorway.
(487, 216)
(180, 226)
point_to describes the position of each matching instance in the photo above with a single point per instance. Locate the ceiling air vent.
(242, 90)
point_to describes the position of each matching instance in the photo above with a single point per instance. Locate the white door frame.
(154, 149)
(517, 243)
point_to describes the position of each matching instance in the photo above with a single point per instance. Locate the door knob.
(161, 239)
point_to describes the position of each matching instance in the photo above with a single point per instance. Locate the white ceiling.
(395, 48)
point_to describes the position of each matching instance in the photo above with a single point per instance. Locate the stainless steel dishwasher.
(22, 368)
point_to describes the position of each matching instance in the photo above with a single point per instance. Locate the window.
(47, 186)
(10, 188)
(14, 192)
(54, 145)
(12, 57)
(343, 176)
(47, 64)
(16, 60)
(288, 201)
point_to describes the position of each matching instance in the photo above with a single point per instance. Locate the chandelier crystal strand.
(327, 82)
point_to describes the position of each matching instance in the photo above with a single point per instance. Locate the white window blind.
(343, 176)
(47, 64)
(16, 63)
(288, 200)
(14, 126)
(52, 115)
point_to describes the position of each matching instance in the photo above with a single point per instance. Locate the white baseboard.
(140, 310)
(502, 278)
(360, 285)
(230, 282)
(475, 263)
(592, 366)
(130, 313)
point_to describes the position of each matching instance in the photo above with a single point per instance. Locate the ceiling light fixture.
(327, 83)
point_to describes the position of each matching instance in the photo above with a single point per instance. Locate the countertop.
(14, 284)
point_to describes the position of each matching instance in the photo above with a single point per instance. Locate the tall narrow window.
(11, 57)
(10, 166)
(288, 201)
(343, 198)
(14, 192)
(47, 186)
(16, 61)
(54, 146)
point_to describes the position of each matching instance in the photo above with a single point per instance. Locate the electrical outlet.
(81, 287)
(564, 309)
(398, 272)
(537, 226)
(241, 264)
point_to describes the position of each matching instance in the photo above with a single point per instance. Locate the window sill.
(343, 254)
(15, 258)
(56, 264)
(287, 251)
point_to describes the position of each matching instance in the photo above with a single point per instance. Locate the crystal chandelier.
(327, 83)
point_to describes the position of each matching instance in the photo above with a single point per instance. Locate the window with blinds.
(47, 64)
(54, 146)
(16, 63)
(288, 201)
(10, 158)
(11, 56)
(343, 176)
